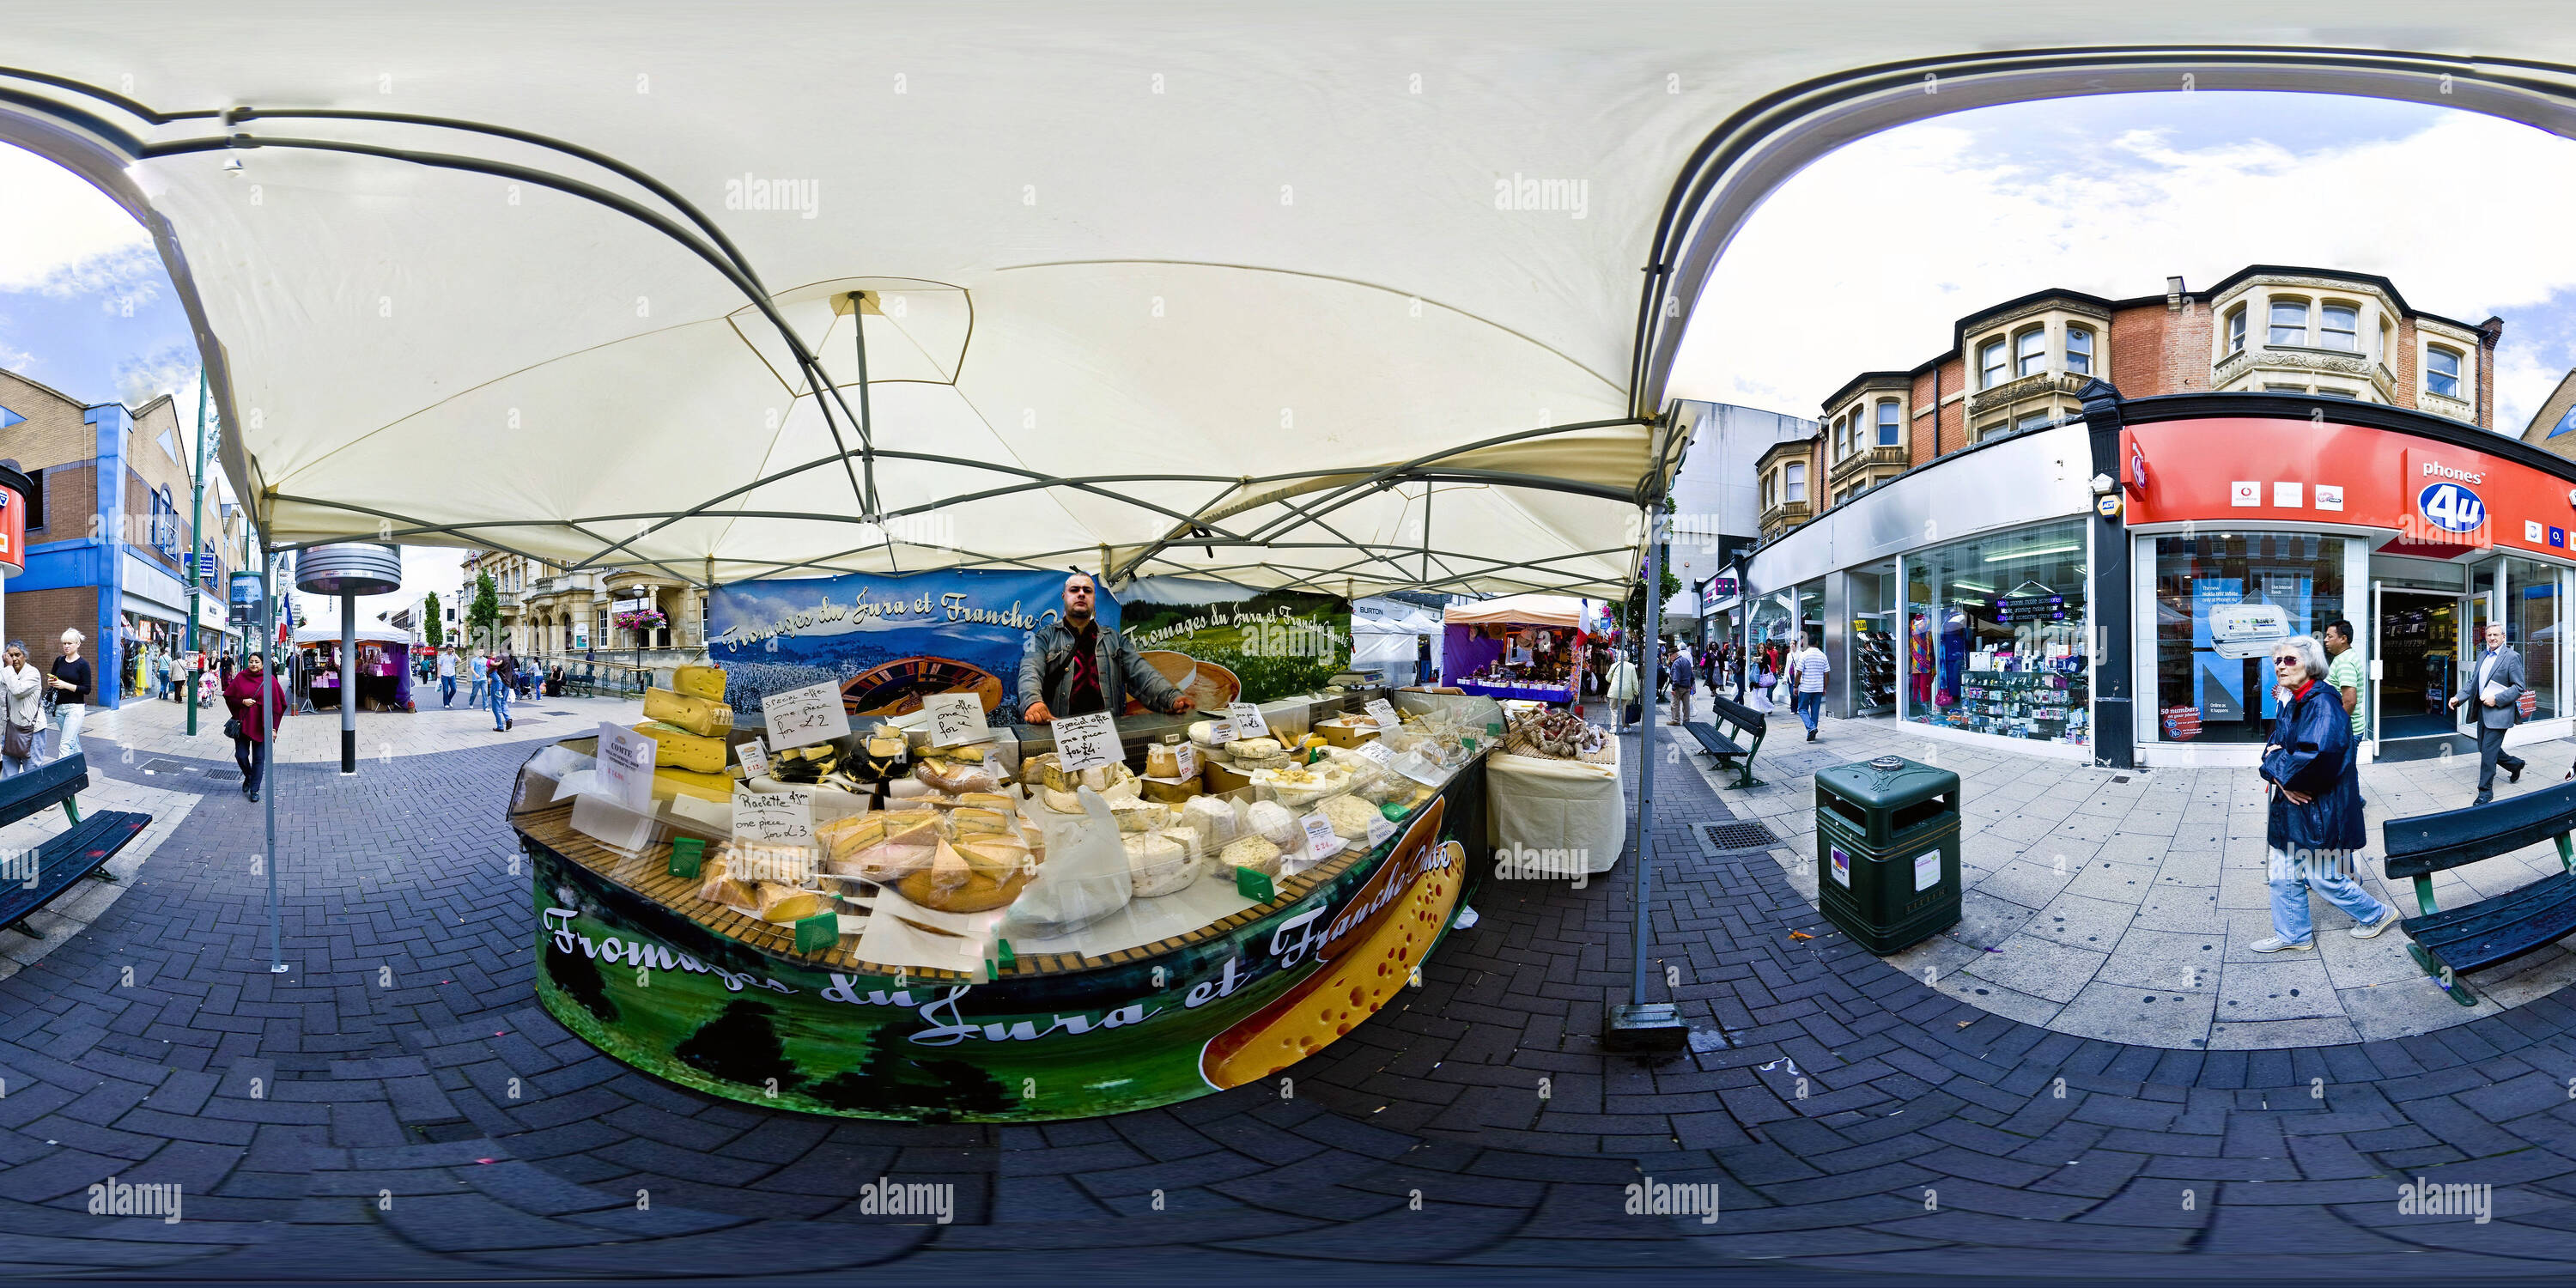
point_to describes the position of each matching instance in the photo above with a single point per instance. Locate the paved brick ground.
(339, 1122)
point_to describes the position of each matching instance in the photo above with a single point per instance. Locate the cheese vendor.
(1074, 666)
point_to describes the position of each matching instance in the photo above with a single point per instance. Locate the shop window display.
(2222, 601)
(1995, 635)
(2531, 621)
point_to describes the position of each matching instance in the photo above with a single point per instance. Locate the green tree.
(1633, 614)
(437, 633)
(484, 615)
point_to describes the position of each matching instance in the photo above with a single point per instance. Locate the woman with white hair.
(71, 686)
(2315, 830)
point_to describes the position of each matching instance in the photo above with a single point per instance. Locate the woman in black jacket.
(2315, 829)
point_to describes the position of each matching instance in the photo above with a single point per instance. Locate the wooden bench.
(2449, 943)
(1741, 722)
(30, 881)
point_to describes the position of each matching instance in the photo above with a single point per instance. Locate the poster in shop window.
(2217, 681)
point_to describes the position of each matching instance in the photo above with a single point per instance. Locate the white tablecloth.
(1536, 803)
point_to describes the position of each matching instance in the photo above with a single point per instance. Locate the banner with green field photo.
(1222, 643)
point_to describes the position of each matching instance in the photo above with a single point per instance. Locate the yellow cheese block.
(681, 782)
(677, 748)
(699, 682)
(704, 717)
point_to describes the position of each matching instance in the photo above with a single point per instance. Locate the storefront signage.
(2446, 498)
(2030, 608)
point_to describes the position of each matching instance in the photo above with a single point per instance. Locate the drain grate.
(1741, 836)
(160, 766)
(224, 775)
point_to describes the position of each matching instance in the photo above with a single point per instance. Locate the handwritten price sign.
(1087, 742)
(625, 770)
(1246, 719)
(1383, 712)
(773, 818)
(955, 718)
(800, 717)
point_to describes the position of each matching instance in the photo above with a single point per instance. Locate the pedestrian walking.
(2345, 673)
(500, 694)
(1623, 689)
(1685, 683)
(482, 675)
(2495, 685)
(22, 746)
(251, 696)
(2314, 832)
(1810, 668)
(446, 678)
(70, 686)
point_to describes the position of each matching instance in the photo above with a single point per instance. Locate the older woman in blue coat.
(2315, 830)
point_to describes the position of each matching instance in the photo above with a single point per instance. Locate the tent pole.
(1642, 1025)
(268, 743)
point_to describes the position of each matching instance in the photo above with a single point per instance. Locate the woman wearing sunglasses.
(2315, 830)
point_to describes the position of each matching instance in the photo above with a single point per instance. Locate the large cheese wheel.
(704, 717)
(682, 782)
(1345, 991)
(699, 681)
(677, 748)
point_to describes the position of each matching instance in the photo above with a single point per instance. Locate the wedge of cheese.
(704, 717)
(786, 903)
(677, 748)
(682, 782)
(699, 681)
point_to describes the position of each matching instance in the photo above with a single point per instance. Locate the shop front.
(2414, 531)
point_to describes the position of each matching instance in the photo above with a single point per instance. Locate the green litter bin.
(1887, 846)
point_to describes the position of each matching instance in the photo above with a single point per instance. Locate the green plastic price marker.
(1493, 730)
(1253, 884)
(1007, 957)
(818, 932)
(688, 854)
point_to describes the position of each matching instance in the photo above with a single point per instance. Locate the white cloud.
(59, 234)
(1865, 259)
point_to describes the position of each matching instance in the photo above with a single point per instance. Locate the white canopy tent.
(1519, 610)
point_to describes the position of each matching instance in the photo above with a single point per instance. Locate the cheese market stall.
(1036, 943)
(382, 672)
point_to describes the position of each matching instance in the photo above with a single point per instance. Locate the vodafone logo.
(2434, 470)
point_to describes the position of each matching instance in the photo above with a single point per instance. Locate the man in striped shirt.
(1810, 667)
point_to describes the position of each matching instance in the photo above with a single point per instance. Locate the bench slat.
(63, 859)
(2499, 929)
(2429, 843)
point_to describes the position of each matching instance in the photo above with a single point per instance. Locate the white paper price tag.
(1383, 712)
(1188, 755)
(954, 718)
(803, 716)
(1320, 840)
(1221, 731)
(1413, 766)
(625, 772)
(773, 818)
(1246, 719)
(754, 756)
(1379, 830)
(1377, 751)
(1087, 742)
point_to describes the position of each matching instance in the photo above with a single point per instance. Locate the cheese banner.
(1225, 643)
(888, 641)
(1234, 1004)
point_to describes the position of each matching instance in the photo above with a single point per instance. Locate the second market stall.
(382, 673)
(1517, 647)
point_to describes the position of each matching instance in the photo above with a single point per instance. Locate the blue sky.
(1883, 244)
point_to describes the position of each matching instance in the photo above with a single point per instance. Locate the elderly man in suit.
(2495, 685)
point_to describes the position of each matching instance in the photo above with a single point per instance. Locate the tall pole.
(197, 555)
(348, 684)
(268, 742)
(1651, 650)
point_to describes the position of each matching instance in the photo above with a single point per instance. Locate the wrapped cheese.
(1251, 850)
(1159, 863)
(705, 717)
(844, 837)
(784, 903)
(967, 821)
(956, 881)
(1256, 748)
(1162, 761)
(990, 800)
(1138, 815)
(720, 887)
(956, 776)
(1213, 818)
(1350, 816)
(678, 748)
(1203, 732)
(1276, 824)
(906, 788)
(699, 682)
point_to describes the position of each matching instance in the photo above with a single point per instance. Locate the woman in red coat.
(252, 697)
